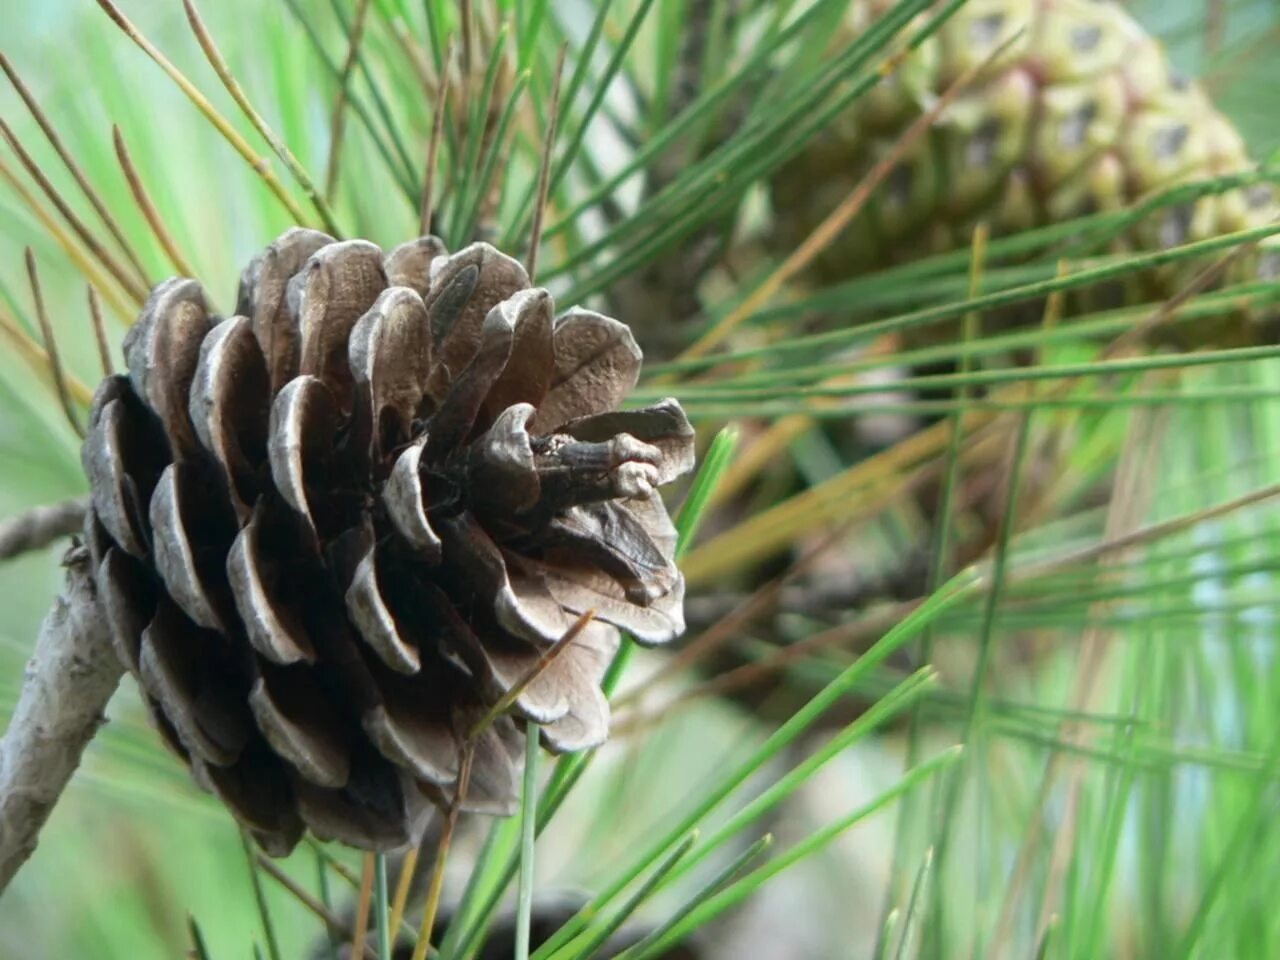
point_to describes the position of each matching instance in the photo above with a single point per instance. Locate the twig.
(68, 682)
(41, 526)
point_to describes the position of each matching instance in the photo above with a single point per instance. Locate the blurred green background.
(134, 846)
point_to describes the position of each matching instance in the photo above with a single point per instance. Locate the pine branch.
(69, 680)
(41, 526)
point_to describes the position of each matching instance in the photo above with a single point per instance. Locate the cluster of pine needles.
(1076, 694)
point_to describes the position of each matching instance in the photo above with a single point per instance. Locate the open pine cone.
(332, 531)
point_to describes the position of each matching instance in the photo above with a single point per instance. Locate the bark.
(68, 682)
(40, 526)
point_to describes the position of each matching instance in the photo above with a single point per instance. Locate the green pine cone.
(1082, 114)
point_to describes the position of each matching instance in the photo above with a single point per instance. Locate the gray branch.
(41, 526)
(67, 684)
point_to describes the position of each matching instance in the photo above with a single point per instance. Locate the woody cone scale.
(333, 531)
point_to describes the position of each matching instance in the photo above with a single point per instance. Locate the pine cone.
(331, 531)
(1082, 114)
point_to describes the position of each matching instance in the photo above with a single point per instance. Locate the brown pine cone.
(332, 531)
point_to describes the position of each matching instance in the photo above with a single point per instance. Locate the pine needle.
(436, 888)
(84, 263)
(464, 10)
(38, 359)
(408, 867)
(386, 935)
(544, 169)
(528, 833)
(425, 224)
(278, 146)
(335, 926)
(198, 947)
(51, 347)
(77, 173)
(128, 282)
(99, 332)
(338, 119)
(840, 218)
(394, 155)
(360, 930)
(549, 656)
(258, 164)
(260, 898)
(148, 209)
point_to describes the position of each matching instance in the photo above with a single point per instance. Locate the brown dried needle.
(433, 146)
(153, 218)
(259, 164)
(38, 359)
(84, 263)
(337, 125)
(436, 887)
(278, 147)
(361, 929)
(336, 926)
(78, 174)
(100, 333)
(131, 285)
(51, 346)
(544, 171)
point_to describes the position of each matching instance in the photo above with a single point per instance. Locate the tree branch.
(41, 526)
(68, 682)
